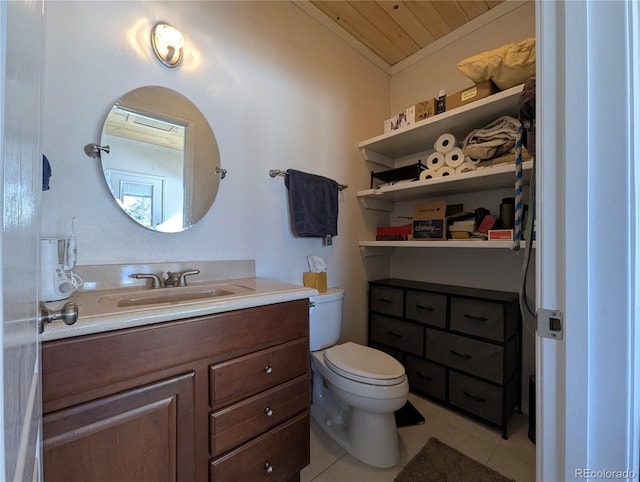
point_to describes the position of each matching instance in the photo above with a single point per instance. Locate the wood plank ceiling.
(395, 29)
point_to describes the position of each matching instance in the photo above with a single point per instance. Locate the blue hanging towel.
(46, 173)
(313, 201)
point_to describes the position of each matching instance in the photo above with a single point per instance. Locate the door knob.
(68, 313)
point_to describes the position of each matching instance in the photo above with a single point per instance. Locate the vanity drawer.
(387, 300)
(425, 307)
(476, 397)
(244, 420)
(478, 317)
(245, 376)
(398, 334)
(427, 377)
(472, 356)
(277, 455)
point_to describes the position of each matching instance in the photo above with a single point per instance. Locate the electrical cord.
(528, 314)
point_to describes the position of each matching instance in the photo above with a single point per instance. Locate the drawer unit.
(426, 307)
(475, 396)
(468, 355)
(465, 354)
(427, 377)
(244, 420)
(277, 455)
(407, 337)
(387, 300)
(244, 376)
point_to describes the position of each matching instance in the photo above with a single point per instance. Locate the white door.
(21, 50)
(588, 422)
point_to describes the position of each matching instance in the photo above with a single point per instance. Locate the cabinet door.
(142, 435)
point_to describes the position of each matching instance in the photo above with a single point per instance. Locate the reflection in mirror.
(162, 161)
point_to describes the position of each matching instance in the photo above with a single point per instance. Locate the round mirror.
(163, 164)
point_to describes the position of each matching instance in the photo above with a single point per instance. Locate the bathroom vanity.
(219, 396)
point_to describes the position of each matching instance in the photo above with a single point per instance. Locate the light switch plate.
(550, 324)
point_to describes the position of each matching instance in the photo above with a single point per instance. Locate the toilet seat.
(364, 364)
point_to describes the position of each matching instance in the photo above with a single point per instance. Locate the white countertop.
(97, 316)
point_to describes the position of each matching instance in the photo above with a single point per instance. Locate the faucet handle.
(156, 282)
(179, 278)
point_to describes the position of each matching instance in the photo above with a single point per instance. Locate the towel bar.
(278, 172)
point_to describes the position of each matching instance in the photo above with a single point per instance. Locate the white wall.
(278, 90)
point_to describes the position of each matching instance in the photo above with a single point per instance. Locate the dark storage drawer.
(425, 307)
(478, 317)
(404, 336)
(476, 397)
(387, 300)
(427, 377)
(472, 356)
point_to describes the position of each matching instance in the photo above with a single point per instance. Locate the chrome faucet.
(179, 278)
(156, 281)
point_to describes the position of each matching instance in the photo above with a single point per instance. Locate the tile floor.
(514, 458)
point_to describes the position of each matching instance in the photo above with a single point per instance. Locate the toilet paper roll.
(446, 171)
(428, 174)
(466, 166)
(454, 158)
(445, 143)
(435, 161)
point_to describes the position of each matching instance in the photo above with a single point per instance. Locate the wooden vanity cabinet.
(213, 398)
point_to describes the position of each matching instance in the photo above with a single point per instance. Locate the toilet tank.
(325, 319)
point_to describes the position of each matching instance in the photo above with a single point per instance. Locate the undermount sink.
(145, 297)
(170, 296)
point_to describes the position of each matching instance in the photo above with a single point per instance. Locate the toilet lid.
(364, 364)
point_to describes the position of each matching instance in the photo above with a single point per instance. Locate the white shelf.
(494, 177)
(383, 248)
(386, 148)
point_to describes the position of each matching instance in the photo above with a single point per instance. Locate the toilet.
(356, 388)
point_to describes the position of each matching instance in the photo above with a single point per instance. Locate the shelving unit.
(394, 147)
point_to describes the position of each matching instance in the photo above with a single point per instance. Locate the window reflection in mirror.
(161, 165)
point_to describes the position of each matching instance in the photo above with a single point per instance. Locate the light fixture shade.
(167, 43)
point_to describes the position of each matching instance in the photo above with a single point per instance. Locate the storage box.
(471, 94)
(430, 220)
(317, 281)
(395, 122)
(421, 111)
(501, 234)
(394, 233)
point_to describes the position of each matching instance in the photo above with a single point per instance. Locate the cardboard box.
(421, 111)
(430, 220)
(317, 281)
(501, 234)
(471, 94)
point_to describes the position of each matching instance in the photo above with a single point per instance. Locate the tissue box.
(317, 281)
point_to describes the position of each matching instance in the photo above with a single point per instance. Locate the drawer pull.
(268, 411)
(393, 333)
(268, 370)
(385, 300)
(474, 397)
(268, 468)
(426, 308)
(425, 377)
(461, 355)
(475, 318)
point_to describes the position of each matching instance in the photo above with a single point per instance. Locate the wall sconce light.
(167, 43)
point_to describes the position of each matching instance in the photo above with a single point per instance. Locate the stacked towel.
(313, 201)
(493, 140)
